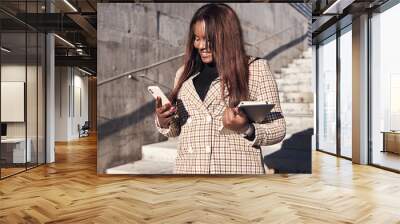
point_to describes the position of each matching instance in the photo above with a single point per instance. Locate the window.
(22, 92)
(385, 88)
(346, 92)
(327, 95)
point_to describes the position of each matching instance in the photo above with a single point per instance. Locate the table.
(16, 147)
(391, 141)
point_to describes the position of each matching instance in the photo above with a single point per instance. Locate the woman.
(214, 136)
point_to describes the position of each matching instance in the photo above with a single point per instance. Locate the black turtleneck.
(203, 81)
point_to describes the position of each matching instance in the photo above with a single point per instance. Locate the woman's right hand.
(164, 113)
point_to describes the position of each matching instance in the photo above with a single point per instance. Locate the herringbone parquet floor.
(70, 191)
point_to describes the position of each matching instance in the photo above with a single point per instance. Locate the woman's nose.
(202, 45)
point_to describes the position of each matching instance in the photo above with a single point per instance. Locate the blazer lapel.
(193, 94)
(213, 93)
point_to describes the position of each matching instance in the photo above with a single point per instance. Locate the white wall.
(80, 93)
(70, 83)
(12, 73)
(33, 126)
(61, 103)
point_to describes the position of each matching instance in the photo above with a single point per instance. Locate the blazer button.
(208, 149)
(209, 118)
(190, 149)
(189, 120)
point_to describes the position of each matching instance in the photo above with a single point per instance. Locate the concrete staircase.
(296, 93)
(296, 96)
(157, 158)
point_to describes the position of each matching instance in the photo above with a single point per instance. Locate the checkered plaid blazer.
(205, 146)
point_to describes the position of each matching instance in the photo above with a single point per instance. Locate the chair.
(84, 130)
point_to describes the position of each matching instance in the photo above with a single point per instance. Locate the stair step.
(294, 69)
(143, 167)
(277, 75)
(297, 108)
(305, 76)
(299, 123)
(300, 66)
(296, 96)
(293, 97)
(295, 88)
(307, 53)
(162, 151)
(298, 80)
(302, 61)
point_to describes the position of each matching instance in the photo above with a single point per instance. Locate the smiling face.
(218, 24)
(200, 42)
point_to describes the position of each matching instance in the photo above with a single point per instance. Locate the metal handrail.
(139, 69)
(178, 56)
(154, 81)
(276, 34)
(303, 8)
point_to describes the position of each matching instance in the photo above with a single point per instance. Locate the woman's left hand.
(235, 120)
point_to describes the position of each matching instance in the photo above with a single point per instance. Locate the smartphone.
(155, 91)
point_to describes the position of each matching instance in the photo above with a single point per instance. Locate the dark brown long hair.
(225, 38)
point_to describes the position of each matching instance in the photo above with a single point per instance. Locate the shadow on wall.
(109, 126)
(285, 47)
(294, 155)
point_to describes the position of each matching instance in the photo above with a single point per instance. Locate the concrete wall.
(132, 35)
(71, 102)
(92, 98)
